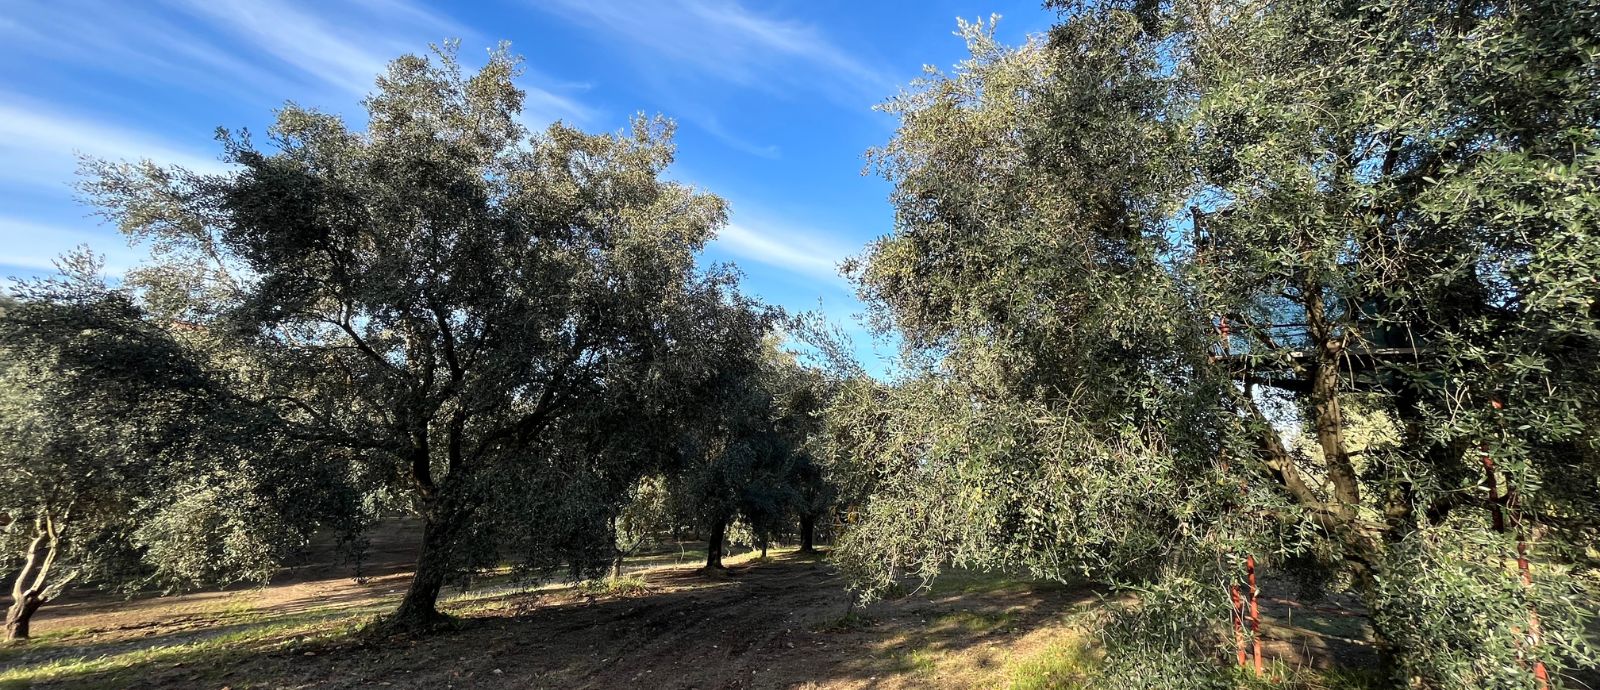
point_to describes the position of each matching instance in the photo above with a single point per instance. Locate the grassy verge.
(1065, 664)
(206, 656)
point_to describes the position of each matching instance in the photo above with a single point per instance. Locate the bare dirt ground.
(784, 622)
(775, 623)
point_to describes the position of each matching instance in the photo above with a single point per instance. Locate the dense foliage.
(1137, 261)
(462, 310)
(127, 461)
(752, 457)
(1189, 293)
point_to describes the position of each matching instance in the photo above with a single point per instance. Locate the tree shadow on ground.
(769, 624)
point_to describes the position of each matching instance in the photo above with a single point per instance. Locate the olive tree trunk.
(719, 529)
(32, 589)
(808, 534)
(419, 610)
(18, 616)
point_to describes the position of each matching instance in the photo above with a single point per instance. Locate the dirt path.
(768, 625)
(775, 624)
(782, 623)
(328, 587)
(86, 621)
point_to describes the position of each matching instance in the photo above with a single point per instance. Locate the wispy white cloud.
(346, 56)
(676, 43)
(133, 41)
(712, 125)
(256, 51)
(348, 49)
(541, 107)
(812, 257)
(802, 41)
(39, 144)
(324, 53)
(725, 40)
(35, 246)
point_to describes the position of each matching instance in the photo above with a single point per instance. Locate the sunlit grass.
(754, 555)
(958, 581)
(977, 622)
(1072, 663)
(921, 662)
(289, 632)
(42, 639)
(629, 586)
(1063, 664)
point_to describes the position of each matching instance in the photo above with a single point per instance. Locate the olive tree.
(126, 461)
(812, 365)
(752, 451)
(723, 449)
(643, 517)
(1399, 220)
(441, 294)
(1134, 259)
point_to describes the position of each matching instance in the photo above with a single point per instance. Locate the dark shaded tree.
(727, 440)
(127, 462)
(442, 295)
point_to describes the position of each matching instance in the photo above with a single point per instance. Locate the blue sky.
(773, 101)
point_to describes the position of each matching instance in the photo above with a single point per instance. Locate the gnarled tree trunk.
(808, 534)
(714, 545)
(418, 611)
(30, 590)
(18, 616)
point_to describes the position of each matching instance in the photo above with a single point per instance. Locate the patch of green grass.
(9, 650)
(754, 555)
(1065, 665)
(259, 633)
(473, 607)
(205, 655)
(977, 622)
(961, 581)
(82, 643)
(631, 586)
(1278, 675)
(1073, 665)
(236, 606)
(915, 661)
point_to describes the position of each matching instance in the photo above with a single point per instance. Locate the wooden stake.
(1238, 623)
(1539, 672)
(1255, 613)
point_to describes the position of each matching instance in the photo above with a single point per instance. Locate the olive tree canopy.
(127, 459)
(1139, 260)
(437, 294)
